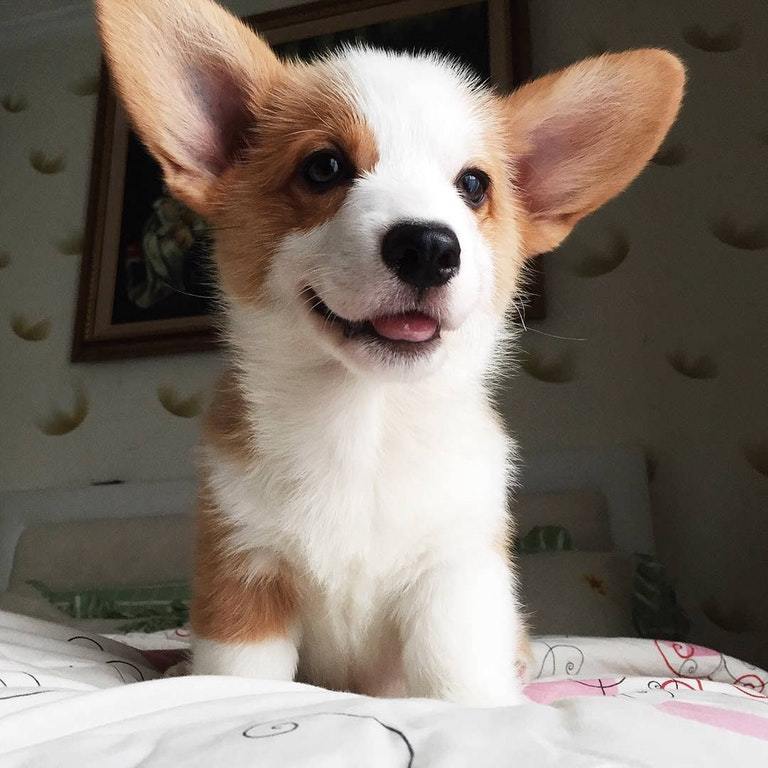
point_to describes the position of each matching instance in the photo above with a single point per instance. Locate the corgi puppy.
(373, 215)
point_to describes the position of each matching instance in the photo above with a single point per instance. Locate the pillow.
(578, 593)
(87, 553)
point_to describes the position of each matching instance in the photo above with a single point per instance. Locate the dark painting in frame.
(145, 282)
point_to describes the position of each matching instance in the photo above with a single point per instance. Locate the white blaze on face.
(427, 124)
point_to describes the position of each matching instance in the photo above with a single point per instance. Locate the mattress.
(73, 698)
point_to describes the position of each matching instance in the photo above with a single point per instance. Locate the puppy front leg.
(245, 629)
(462, 633)
(244, 611)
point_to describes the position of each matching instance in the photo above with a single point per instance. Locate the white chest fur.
(379, 479)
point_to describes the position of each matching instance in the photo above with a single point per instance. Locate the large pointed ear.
(579, 136)
(191, 77)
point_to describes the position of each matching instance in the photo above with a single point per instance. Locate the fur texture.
(353, 513)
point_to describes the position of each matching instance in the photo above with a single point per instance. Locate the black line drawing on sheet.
(29, 674)
(127, 664)
(21, 695)
(90, 639)
(281, 727)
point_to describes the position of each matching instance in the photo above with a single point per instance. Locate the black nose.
(423, 255)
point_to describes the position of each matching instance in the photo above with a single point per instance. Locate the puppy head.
(370, 207)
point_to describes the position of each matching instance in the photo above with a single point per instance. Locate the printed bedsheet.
(69, 698)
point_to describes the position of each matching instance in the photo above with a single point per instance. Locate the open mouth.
(405, 332)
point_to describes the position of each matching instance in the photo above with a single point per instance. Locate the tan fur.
(500, 215)
(226, 425)
(589, 130)
(151, 79)
(227, 606)
(267, 187)
(260, 182)
(539, 193)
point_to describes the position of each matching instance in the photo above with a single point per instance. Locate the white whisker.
(543, 333)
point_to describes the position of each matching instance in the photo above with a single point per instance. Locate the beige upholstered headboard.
(142, 533)
(114, 552)
(30, 530)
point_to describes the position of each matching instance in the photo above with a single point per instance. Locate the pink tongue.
(412, 326)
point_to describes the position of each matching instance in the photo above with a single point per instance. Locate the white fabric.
(65, 701)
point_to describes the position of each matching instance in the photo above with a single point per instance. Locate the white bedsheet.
(72, 699)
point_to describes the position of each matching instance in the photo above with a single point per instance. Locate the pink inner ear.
(222, 117)
(563, 151)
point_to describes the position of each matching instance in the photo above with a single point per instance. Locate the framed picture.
(146, 277)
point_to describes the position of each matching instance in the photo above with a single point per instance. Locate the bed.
(72, 698)
(91, 690)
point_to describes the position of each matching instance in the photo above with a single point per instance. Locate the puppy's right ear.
(191, 77)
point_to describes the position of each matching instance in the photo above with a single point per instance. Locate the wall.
(673, 353)
(664, 318)
(126, 432)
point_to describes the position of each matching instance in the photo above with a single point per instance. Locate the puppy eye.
(473, 186)
(324, 169)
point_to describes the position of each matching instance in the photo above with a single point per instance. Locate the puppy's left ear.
(578, 137)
